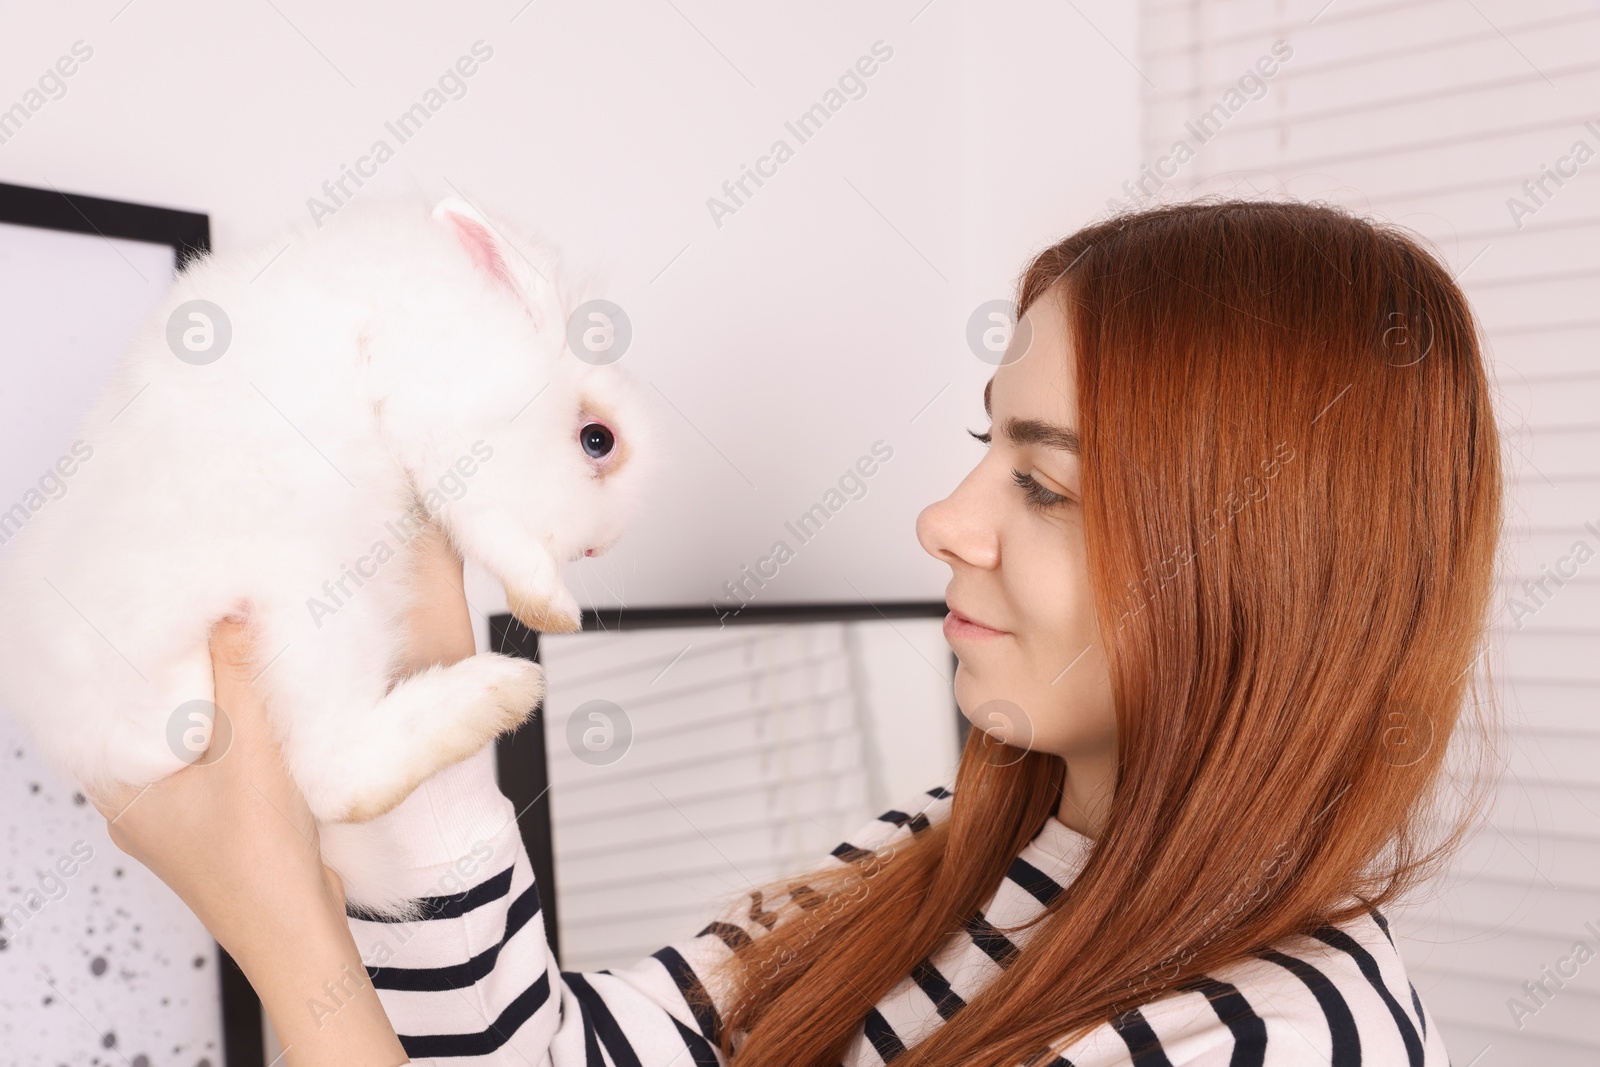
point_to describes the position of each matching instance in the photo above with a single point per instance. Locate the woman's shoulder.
(752, 913)
(747, 914)
(1338, 995)
(905, 819)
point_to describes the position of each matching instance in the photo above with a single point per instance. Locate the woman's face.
(1032, 671)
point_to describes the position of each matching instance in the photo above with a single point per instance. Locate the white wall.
(821, 317)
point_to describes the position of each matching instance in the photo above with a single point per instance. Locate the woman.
(1217, 589)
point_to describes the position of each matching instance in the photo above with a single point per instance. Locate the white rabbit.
(277, 446)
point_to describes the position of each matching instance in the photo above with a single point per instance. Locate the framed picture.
(99, 954)
(683, 753)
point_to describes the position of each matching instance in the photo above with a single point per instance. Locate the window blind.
(691, 764)
(1477, 124)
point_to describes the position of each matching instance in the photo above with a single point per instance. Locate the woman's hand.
(213, 829)
(233, 837)
(438, 627)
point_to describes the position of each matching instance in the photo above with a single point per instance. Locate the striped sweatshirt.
(473, 981)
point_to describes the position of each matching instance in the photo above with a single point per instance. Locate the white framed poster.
(98, 959)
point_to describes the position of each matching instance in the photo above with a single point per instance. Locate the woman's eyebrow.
(1035, 431)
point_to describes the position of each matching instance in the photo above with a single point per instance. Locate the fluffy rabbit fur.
(394, 363)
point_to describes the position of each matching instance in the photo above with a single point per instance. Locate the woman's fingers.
(231, 641)
(232, 655)
(243, 731)
(232, 673)
(241, 725)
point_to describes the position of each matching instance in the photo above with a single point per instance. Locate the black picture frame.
(521, 759)
(189, 235)
(188, 232)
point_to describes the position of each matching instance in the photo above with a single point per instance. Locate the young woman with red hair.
(1218, 587)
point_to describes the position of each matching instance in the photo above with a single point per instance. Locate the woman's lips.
(957, 627)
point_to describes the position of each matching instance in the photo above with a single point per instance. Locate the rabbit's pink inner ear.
(482, 247)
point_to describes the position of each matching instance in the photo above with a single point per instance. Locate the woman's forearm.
(304, 966)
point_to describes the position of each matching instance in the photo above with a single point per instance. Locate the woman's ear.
(478, 237)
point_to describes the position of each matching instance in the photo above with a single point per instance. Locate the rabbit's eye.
(597, 440)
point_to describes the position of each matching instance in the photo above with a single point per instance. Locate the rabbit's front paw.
(439, 717)
(556, 613)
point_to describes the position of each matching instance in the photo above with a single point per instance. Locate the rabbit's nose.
(601, 549)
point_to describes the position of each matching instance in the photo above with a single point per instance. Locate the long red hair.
(1292, 504)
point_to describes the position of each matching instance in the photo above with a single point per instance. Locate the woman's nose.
(959, 529)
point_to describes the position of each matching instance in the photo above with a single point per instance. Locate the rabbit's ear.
(498, 258)
(477, 236)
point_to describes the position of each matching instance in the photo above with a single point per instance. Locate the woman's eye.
(1038, 496)
(597, 440)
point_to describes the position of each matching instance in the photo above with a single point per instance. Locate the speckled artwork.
(100, 963)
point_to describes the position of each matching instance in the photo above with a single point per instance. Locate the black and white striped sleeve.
(473, 981)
